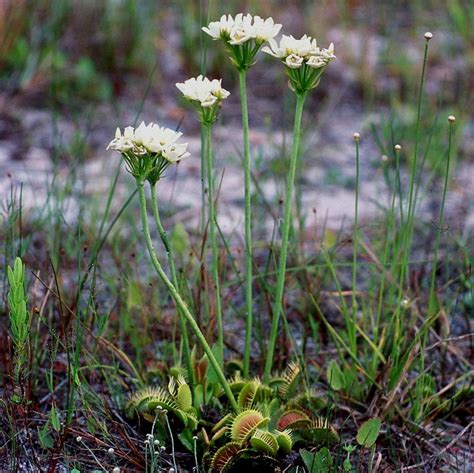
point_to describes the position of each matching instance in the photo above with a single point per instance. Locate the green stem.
(213, 239)
(431, 304)
(277, 308)
(351, 328)
(203, 180)
(178, 299)
(248, 224)
(174, 279)
(411, 203)
(407, 231)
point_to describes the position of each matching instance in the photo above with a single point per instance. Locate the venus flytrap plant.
(206, 96)
(243, 36)
(304, 64)
(147, 152)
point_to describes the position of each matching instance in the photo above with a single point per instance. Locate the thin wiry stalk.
(174, 279)
(411, 202)
(440, 224)
(248, 224)
(213, 240)
(407, 231)
(300, 100)
(351, 329)
(178, 299)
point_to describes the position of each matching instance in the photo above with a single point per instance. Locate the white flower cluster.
(242, 28)
(296, 52)
(150, 138)
(200, 89)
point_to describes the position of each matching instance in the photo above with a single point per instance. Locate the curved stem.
(213, 239)
(178, 299)
(248, 224)
(174, 279)
(300, 99)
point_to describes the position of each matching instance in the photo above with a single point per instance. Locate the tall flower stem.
(248, 223)
(178, 299)
(174, 279)
(431, 302)
(203, 179)
(407, 228)
(277, 308)
(408, 231)
(213, 240)
(355, 244)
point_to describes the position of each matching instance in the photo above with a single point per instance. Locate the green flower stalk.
(243, 36)
(144, 151)
(432, 307)
(206, 97)
(174, 279)
(147, 151)
(304, 63)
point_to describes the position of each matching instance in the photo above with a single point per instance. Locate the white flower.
(218, 28)
(242, 29)
(320, 57)
(176, 152)
(201, 89)
(290, 45)
(305, 48)
(150, 138)
(264, 30)
(294, 61)
(121, 142)
(240, 35)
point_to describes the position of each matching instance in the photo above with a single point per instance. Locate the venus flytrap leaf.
(368, 432)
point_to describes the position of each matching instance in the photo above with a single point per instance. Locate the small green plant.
(19, 316)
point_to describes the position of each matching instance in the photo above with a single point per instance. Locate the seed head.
(116, 470)
(356, 137)
(398, 148)
(428, 35)
(451, 118)
(79, 439)
(384, 158)
(111, 451)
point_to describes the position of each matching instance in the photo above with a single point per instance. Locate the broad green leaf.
(368, 432)
(320, 462)
(180, 239)
(53, 415)
(335, 377)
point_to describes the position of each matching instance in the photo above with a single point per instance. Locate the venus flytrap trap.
(206, 97)
(304, 64)
(243, 36)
